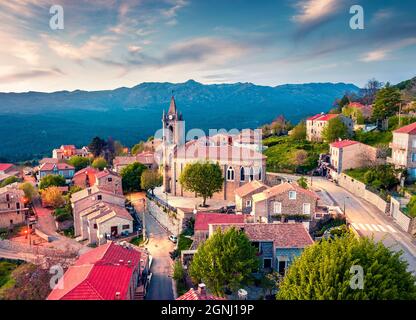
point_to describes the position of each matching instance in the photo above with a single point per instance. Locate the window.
(251, 178)
(281, 266)
(260, 173)
(306, 208)
(248, 203)
(242, 174)
(277, 207)
(99, 197)
(7, 197)
(267, 263)
(17, 205)
(126, 226)
(292, 195)
(110, 179)
(413, 157)
(95, 226)
(230, 174)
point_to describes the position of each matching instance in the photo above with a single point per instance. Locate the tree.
(370, 90)
(96, 146)
(137, 148)
(334, 130)
(386, 103)
(9, 180)
(79, 162)
(381, 177)
(29, 190)
(119, 148)
(298, 133)
(150, 179)
(99, 163)
(131, 176)
(354, 113)
(225, 261)
(302, 183)
(51, 180)
(299, 157)
(53, 197)
(323, 271)
(203, 178)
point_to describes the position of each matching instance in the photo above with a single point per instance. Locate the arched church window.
(230, 173)
(251, 177)
(242, 174)
(260, 173)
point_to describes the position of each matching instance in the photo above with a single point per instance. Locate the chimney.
(117, 296)
(89, 191)
(129, 263)
(201, 289)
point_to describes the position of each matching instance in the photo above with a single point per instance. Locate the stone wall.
(168, 220)
(35, 249)
(360, 190)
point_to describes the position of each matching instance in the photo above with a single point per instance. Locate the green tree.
(323, 272)
(79, 162)
(298, 133)
(150, 179)
(51, 180)
(303, 183)
(354, 113)
(386, 103)
(99, 163)
(137, 148)
(203, 178)
(29, 190)
(96, 146)
(381, 177)
(335, 129)
(9, 180)
(225, 261)
(131, 176)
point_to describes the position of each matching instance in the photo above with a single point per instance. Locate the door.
(114, 231)
(306, 208)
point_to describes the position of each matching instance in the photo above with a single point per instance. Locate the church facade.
(240, 163)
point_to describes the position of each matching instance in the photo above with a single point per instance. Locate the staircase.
(139, 294)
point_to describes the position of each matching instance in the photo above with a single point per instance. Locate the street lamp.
(344, 204)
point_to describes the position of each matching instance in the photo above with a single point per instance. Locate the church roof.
(172, 106)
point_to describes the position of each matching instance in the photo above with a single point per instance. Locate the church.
(238, 154)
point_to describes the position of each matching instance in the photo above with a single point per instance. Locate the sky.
(106, 44)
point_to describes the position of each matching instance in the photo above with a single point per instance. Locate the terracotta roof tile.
(410, 129)
(343, 143)
(203, 220)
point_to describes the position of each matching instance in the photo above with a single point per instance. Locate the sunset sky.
(109, 43)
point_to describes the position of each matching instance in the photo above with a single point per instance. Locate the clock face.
(170, 117)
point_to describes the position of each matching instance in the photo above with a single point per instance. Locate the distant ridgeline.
(33, 123)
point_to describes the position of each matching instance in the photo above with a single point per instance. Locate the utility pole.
(144, 221)
(400, 114)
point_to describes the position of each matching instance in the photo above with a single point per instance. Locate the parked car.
(173, 238)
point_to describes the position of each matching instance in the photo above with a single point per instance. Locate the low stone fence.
(405, 222)
(36, 249)
(165, 217)
(360, 190)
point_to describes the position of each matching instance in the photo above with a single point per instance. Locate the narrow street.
(368, 220)
(159, 247)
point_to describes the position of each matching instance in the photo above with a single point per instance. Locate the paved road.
(369, 221)
(159, 247)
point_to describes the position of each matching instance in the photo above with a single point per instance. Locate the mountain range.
(32, 123)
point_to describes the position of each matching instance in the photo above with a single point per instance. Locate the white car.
(173, 238)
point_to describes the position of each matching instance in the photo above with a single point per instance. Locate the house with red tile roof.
(109, 272)
(147, 158)
(350, 154)
(316, 124)
(403, 149)
(204, 219)
(277, 243)
(12, 206)
(63, 169)
(65, 152)
(7, 167)
(366, 111)
(198, 294)
(106, 179)
(286, 199)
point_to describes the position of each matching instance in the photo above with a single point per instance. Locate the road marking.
(375, 227)
(382, 228)
(354, 225)
(391, 229)
(369, 227)
(362, 227)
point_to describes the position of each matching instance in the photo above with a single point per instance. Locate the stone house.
(277, 243)
(89, 197)
(286, 199)
(204, 219)
(147, 158)
(65, 152)
(85, 177)
(244, 195)
(12, 206)
(65, 170)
